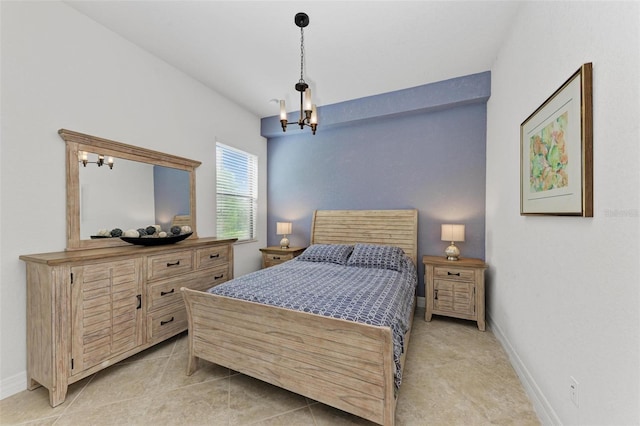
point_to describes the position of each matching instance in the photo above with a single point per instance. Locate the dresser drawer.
(210, 278)
(454, 273)
(167, 292)
(212, 256)
(166, 322)
(168, 265)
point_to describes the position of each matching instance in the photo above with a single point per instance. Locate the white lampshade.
(307, 99)
(283, 228)
(451, 232)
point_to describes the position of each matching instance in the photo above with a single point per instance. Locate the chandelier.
(308, 113)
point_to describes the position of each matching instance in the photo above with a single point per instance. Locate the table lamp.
(283, 228)
(453, 233)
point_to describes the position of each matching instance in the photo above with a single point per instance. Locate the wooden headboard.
(389, 227)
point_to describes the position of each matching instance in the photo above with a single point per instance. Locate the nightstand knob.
(451, 273)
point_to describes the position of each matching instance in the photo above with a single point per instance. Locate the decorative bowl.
(156, 241)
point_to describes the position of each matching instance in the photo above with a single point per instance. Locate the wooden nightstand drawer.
(277, 258)
(168, 265)
(272, 256)
(454, 273)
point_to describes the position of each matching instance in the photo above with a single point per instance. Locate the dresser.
(89, 309)
(275, 255)
(455, 288)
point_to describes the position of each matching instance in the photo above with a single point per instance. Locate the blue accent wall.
(420, 148)
(171, 194)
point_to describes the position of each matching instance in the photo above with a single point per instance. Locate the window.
(236, 193)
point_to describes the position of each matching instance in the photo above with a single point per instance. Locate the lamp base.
(452, 252)
(284, 242)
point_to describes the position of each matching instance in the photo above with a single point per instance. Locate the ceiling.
(249, 51)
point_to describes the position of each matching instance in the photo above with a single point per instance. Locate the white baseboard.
(544, 410)
(12, 385)
(420, 302)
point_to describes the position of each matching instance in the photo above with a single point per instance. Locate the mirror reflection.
(130, 195)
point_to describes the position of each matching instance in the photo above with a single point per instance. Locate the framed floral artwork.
(556, 152)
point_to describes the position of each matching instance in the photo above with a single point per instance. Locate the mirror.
(133, 188)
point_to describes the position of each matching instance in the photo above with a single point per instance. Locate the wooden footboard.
(340, 363)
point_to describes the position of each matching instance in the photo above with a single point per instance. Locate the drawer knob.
(457, 274)
(435, 294)
(166, 322)
(169, 264)
(164, 293)
(214, 256)
(217, 277)
(276, 257)
(139, 297)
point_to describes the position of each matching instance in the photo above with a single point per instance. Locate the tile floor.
(454, 375)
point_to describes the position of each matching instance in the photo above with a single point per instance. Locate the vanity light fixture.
(453, 233)
(284, 229)
(308, 113)
(84, 159)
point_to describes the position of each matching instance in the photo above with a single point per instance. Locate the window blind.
(236, 193)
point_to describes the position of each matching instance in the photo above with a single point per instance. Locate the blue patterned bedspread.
(373, 296)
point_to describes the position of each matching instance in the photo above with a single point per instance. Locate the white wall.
(563, 291)
(62, 70)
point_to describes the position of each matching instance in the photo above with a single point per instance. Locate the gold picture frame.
(556, 151)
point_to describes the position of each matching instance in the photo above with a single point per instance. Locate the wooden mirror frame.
(76, 142)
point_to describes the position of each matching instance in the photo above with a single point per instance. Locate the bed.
(353, 366)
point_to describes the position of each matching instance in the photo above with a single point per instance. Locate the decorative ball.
(185, 229)
(104, 233)
(132, 233)
(142, 231)
(158, 228)
(162, 234)
(175, 230)
(150, 230)
(116, 232)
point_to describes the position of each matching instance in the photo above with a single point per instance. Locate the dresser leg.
(32, 384)
(481, 325)
(58, 394)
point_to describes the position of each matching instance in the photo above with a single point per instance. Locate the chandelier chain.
(301, 55)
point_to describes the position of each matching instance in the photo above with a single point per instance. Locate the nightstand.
(454, 288)
(275, 255)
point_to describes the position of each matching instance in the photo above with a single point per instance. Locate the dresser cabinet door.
(106, 311)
